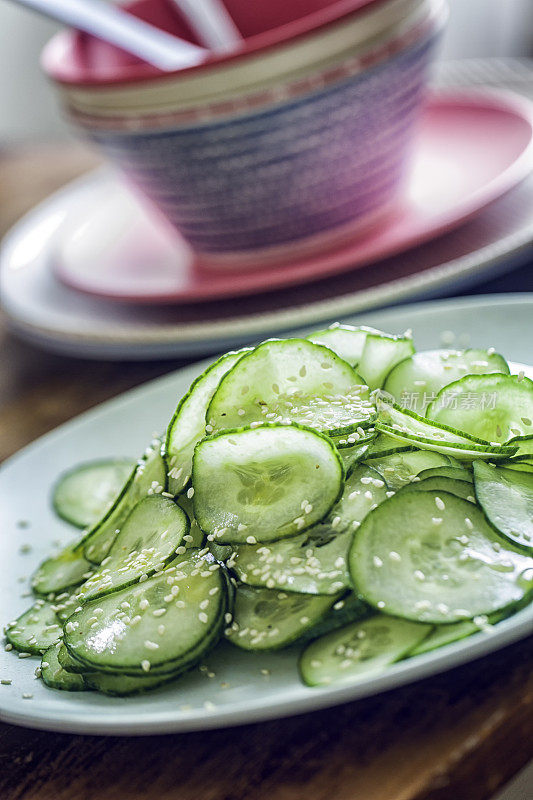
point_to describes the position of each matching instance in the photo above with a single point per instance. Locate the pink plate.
(472, 148)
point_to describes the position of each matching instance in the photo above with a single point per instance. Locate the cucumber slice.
(291, 381)
(124, 685)
(462, 489)
(506, 498)
(147, 478)
(525, 448)
(457, 473)
(255, 484)
(400, 468)
(417, 380)
(127, 637)
(85, 493)
(411, 429)
(493, 407)
(71, 664)
(441, 635)
(380, 354)
(345, 340)
(62, 572)
(448, 563)
(384, 445)
(56, 677)
(359, 650)
(350, 608)
(267, 619)
(35, 630)
(350, 456)
(146, 543)
(187, 426)
(315, 561)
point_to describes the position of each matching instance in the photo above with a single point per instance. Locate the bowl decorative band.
(242, 189)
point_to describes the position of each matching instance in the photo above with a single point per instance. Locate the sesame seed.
(27, 696)
(394, 556)
(436, 520)
(8, 647)
(377, 561)
(151, 645)
(469, 524)
(251, 540)
(145, 665)
(440, 504)
(190, 493)
(143, 605)
(202, 616)
(419, 575)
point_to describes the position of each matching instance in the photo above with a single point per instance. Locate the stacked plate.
(74, 273)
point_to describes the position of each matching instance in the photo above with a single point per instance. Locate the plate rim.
(508, 631)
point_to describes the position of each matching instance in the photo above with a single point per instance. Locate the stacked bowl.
(296, 141)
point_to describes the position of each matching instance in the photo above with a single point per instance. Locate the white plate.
(122, 427)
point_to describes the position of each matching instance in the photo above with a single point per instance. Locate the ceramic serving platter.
(245, 687)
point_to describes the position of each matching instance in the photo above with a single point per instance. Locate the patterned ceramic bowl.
(298, 140)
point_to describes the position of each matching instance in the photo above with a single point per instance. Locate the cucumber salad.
(341, 494)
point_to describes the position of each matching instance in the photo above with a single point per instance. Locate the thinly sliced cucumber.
(462, 489)
(71, 664)
(441, 635)
(146, 543)
(359, 650)
(345, 340)
(384, 445)
(350, 456)
(411, 429)
(457, 473)
(125, 685)
(350, 608)
(493, 407)
(400, 468)
(56, 677)
(525, 448)
(380, 354)
(263, 484)
(149, 477)
(506, 498)
(84, 494)
(434, 558)
(159, 626)
(187, 426)
(291, 381)
(62, 572)
(267, 619)
(416, 380)
(315, 561)
(35, 630)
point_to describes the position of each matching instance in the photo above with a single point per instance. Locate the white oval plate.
(122, 427)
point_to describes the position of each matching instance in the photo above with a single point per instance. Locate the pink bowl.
(295, 142)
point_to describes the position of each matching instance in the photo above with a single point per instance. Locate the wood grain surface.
(457, 736)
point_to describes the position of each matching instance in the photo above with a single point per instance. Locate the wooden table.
(458, 736)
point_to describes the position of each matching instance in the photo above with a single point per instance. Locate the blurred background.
(476, 28)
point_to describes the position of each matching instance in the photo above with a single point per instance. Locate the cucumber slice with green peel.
(263, 484)
(187, 426)
(159, 626)
(62, 572)
(71, 664)
(457, 473)
(350, 608)
(506, 498)
(351, 456)
(35, 630)
(125, 685)
(416, 380)
(462, 489)
(359, 650)
(409, 428)
(291, 381)
(314, 562)
(432, 557)
(525, 448)
(345, 340)
(519, 466)
(492, 407)
(384, 445)
(146, 543)
(441, 635)
(461, 452)
(380, 354)
(149, 477)
(269, 619)
(83, 495)
(401, 468)
(56, 677)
